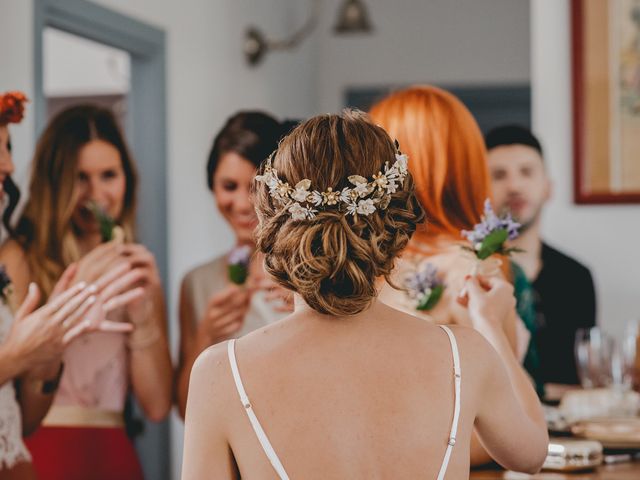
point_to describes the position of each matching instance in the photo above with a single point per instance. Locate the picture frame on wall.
(606, 100)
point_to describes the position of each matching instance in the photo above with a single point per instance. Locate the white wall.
(16, 73)
(603, 237)
(445, 42)
(78, 66)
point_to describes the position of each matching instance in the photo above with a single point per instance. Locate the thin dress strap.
(257, 428)
(456, 409)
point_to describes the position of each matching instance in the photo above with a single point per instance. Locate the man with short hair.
(563, 288)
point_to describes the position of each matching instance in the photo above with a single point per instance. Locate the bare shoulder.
(211, 367)
(210, 385)
(476, 353)
(12, 253)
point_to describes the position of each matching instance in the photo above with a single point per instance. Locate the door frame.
(146, 131)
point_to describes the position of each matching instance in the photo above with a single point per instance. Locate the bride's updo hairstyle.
(333, 258)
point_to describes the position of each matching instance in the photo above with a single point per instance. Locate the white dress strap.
(456, 409)
(255, 423)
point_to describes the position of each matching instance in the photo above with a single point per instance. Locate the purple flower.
(422, 281)
(240, 256)
(490, 223)
(238, 267)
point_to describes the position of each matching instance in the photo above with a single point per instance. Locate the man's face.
(519, 182)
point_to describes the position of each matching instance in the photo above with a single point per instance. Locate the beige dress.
(205, 280)
(12, 449)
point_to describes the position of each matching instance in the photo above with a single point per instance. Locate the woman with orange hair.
(447, 158)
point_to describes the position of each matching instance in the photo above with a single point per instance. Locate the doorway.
(132, 55)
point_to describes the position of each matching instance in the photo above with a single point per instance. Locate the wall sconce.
(352, 18)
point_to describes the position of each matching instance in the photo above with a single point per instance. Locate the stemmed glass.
(596, 358)
(631, 355)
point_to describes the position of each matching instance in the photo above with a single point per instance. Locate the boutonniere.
(109, 229)
(6, 287)
(491, 234)
(238, 264)
(424, 286)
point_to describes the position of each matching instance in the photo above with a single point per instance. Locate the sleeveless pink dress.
(83, 434)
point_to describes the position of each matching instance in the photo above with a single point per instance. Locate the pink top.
(96, 373)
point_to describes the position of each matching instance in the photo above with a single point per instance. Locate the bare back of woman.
(346, 386)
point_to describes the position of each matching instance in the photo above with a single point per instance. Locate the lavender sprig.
(238, 264)
(105, 221)
(489, 236)
(424, 286)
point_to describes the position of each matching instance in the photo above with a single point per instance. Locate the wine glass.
(596, 358)
(631, 354)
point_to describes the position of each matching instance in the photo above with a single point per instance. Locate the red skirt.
(83, 453)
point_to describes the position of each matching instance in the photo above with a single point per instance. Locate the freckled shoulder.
(211, 377)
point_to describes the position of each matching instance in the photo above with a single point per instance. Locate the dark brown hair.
(251, 134)
(334, 260)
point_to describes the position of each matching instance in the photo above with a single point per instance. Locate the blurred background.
(174, 71)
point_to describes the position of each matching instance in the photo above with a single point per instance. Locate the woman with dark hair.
(33, 340)
(84, 181)
(214, 305)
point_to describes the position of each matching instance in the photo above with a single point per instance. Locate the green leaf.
(492, 243)
(238, 274)
(105, 222)
(432, 300)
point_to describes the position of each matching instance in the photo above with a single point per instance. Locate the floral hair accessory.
(363, 198)
(12, 107)
(489, 236)
(425, 286)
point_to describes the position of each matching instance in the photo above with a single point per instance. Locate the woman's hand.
(140, 312)
(39, 336)
(490, 302)
(224, 315)
(98, 262)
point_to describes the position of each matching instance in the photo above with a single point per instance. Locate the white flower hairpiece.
(364, 198)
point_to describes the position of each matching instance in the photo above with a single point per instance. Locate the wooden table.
(620, 471)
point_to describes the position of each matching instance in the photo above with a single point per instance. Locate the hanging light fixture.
(352, 18)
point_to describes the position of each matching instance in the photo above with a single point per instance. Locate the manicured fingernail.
(92, 288)
(91, 299)
(82, 285)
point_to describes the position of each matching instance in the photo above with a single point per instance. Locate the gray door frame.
(146, 131)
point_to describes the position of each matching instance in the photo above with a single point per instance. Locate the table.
(620, 471)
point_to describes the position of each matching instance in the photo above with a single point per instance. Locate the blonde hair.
(333, 260)
(45, 229)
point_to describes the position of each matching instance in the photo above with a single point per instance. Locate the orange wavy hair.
(447, 157)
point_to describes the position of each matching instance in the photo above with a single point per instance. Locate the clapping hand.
(38, 336)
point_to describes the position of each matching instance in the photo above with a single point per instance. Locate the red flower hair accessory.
(12, 107)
